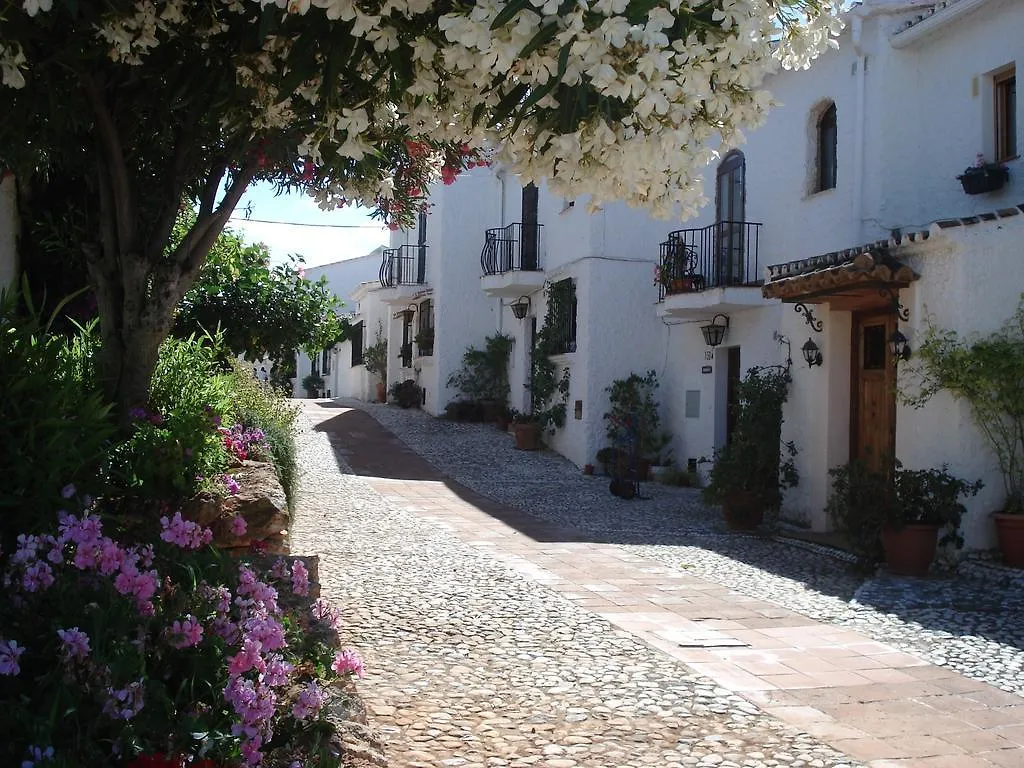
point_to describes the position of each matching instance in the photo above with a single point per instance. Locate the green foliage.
(407, 394)
(283, 372)
(632, 402)
(549, 388)
(484, 372)
(865, 500)
(375, 356)
(173, 448)
(262, 311)
(756, 459)
(312, 384)
(987, 372)
(255, 405)
(55, 428)
(684, 478)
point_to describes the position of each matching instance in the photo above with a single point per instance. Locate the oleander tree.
(262, 310)
(366, 101)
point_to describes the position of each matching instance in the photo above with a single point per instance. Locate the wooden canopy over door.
(873, 390)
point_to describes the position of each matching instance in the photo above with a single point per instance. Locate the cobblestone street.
(493, 637)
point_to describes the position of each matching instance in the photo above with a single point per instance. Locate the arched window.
(827, 140)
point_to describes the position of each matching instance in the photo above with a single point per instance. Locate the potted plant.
(983, 177)
(898, 517)
(526, 431)
(925, 502)
(753, 469)
(606, 458)
(313, 384)
(425, 342)
(407, 394)
(631, 422)
(375, 360)
(986, 372)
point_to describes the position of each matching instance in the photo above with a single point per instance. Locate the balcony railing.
(717, 256)
(512, 248)
(404, 265)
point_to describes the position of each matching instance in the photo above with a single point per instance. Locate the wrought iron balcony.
(404, 265)
(721, 255)
(510, 249)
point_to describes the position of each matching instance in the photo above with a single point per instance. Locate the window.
(827, 141)
(314, 365)
(326, 367)
(1005, 93)
(425, 328)
(562, 300)
(356, 340)
(405, 352)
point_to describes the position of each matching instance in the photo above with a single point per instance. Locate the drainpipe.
(860, 120)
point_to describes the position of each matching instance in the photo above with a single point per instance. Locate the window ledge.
(819, 193)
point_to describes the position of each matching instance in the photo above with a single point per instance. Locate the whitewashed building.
(335, 365)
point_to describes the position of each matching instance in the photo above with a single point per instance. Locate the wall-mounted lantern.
(899, 345)
(714, 332)
(812, 354)
(520, 307)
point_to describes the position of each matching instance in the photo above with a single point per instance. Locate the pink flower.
(247, 658)
(68, 491)
(38, 577)
(278, 671)
(348, 662)
(124, 703)
(449, 174)
(239, 526)
(187, 633)
(76, 643)
(325, 612)
(184, 533)
(10, 652)
(231, 485)
(309, 702)
(300, 578)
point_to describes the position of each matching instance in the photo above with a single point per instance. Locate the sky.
(350, 232)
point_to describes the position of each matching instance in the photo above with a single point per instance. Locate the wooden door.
(873, 391)
(732, 391)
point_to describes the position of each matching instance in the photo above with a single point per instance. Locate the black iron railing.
(512, 248)
(720, 255)
(404, 265)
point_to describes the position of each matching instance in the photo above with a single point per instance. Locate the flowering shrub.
(162, 653)
(245, 442)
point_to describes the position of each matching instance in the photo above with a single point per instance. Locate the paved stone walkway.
(494, 639)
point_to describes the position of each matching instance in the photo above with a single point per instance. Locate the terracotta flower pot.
(527, 436)
(910, 551)
(382, 392)
(743, 510)
(1010, 529)
(588, 469)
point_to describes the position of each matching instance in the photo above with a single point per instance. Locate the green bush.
(255, 405)
(55, 428)
(173, 448)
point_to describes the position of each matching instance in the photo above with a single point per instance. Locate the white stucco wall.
(971, 281)
(8, 230)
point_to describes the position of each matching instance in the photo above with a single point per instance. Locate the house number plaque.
(705, 369)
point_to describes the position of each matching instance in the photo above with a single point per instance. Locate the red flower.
(159, 760)
(448, 174)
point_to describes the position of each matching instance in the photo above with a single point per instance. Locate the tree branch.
(165, 222)
(115, 168)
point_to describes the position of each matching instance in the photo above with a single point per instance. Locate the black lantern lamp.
(899, 346)
(714, 332)
(812, 354)
(520, 307)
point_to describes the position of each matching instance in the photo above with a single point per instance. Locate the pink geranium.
(75, 643)
(348, 662)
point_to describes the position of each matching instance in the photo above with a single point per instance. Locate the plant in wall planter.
(750, 473)
(986, 372)
(983, 177)
(425, 342)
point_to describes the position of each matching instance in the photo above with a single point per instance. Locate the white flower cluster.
(614, 99)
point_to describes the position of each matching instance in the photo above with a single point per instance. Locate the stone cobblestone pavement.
(496, 639)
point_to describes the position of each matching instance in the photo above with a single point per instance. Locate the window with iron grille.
(356, 340)
(425, 328)
(562, 315)
(314, 365)
(326, 366)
